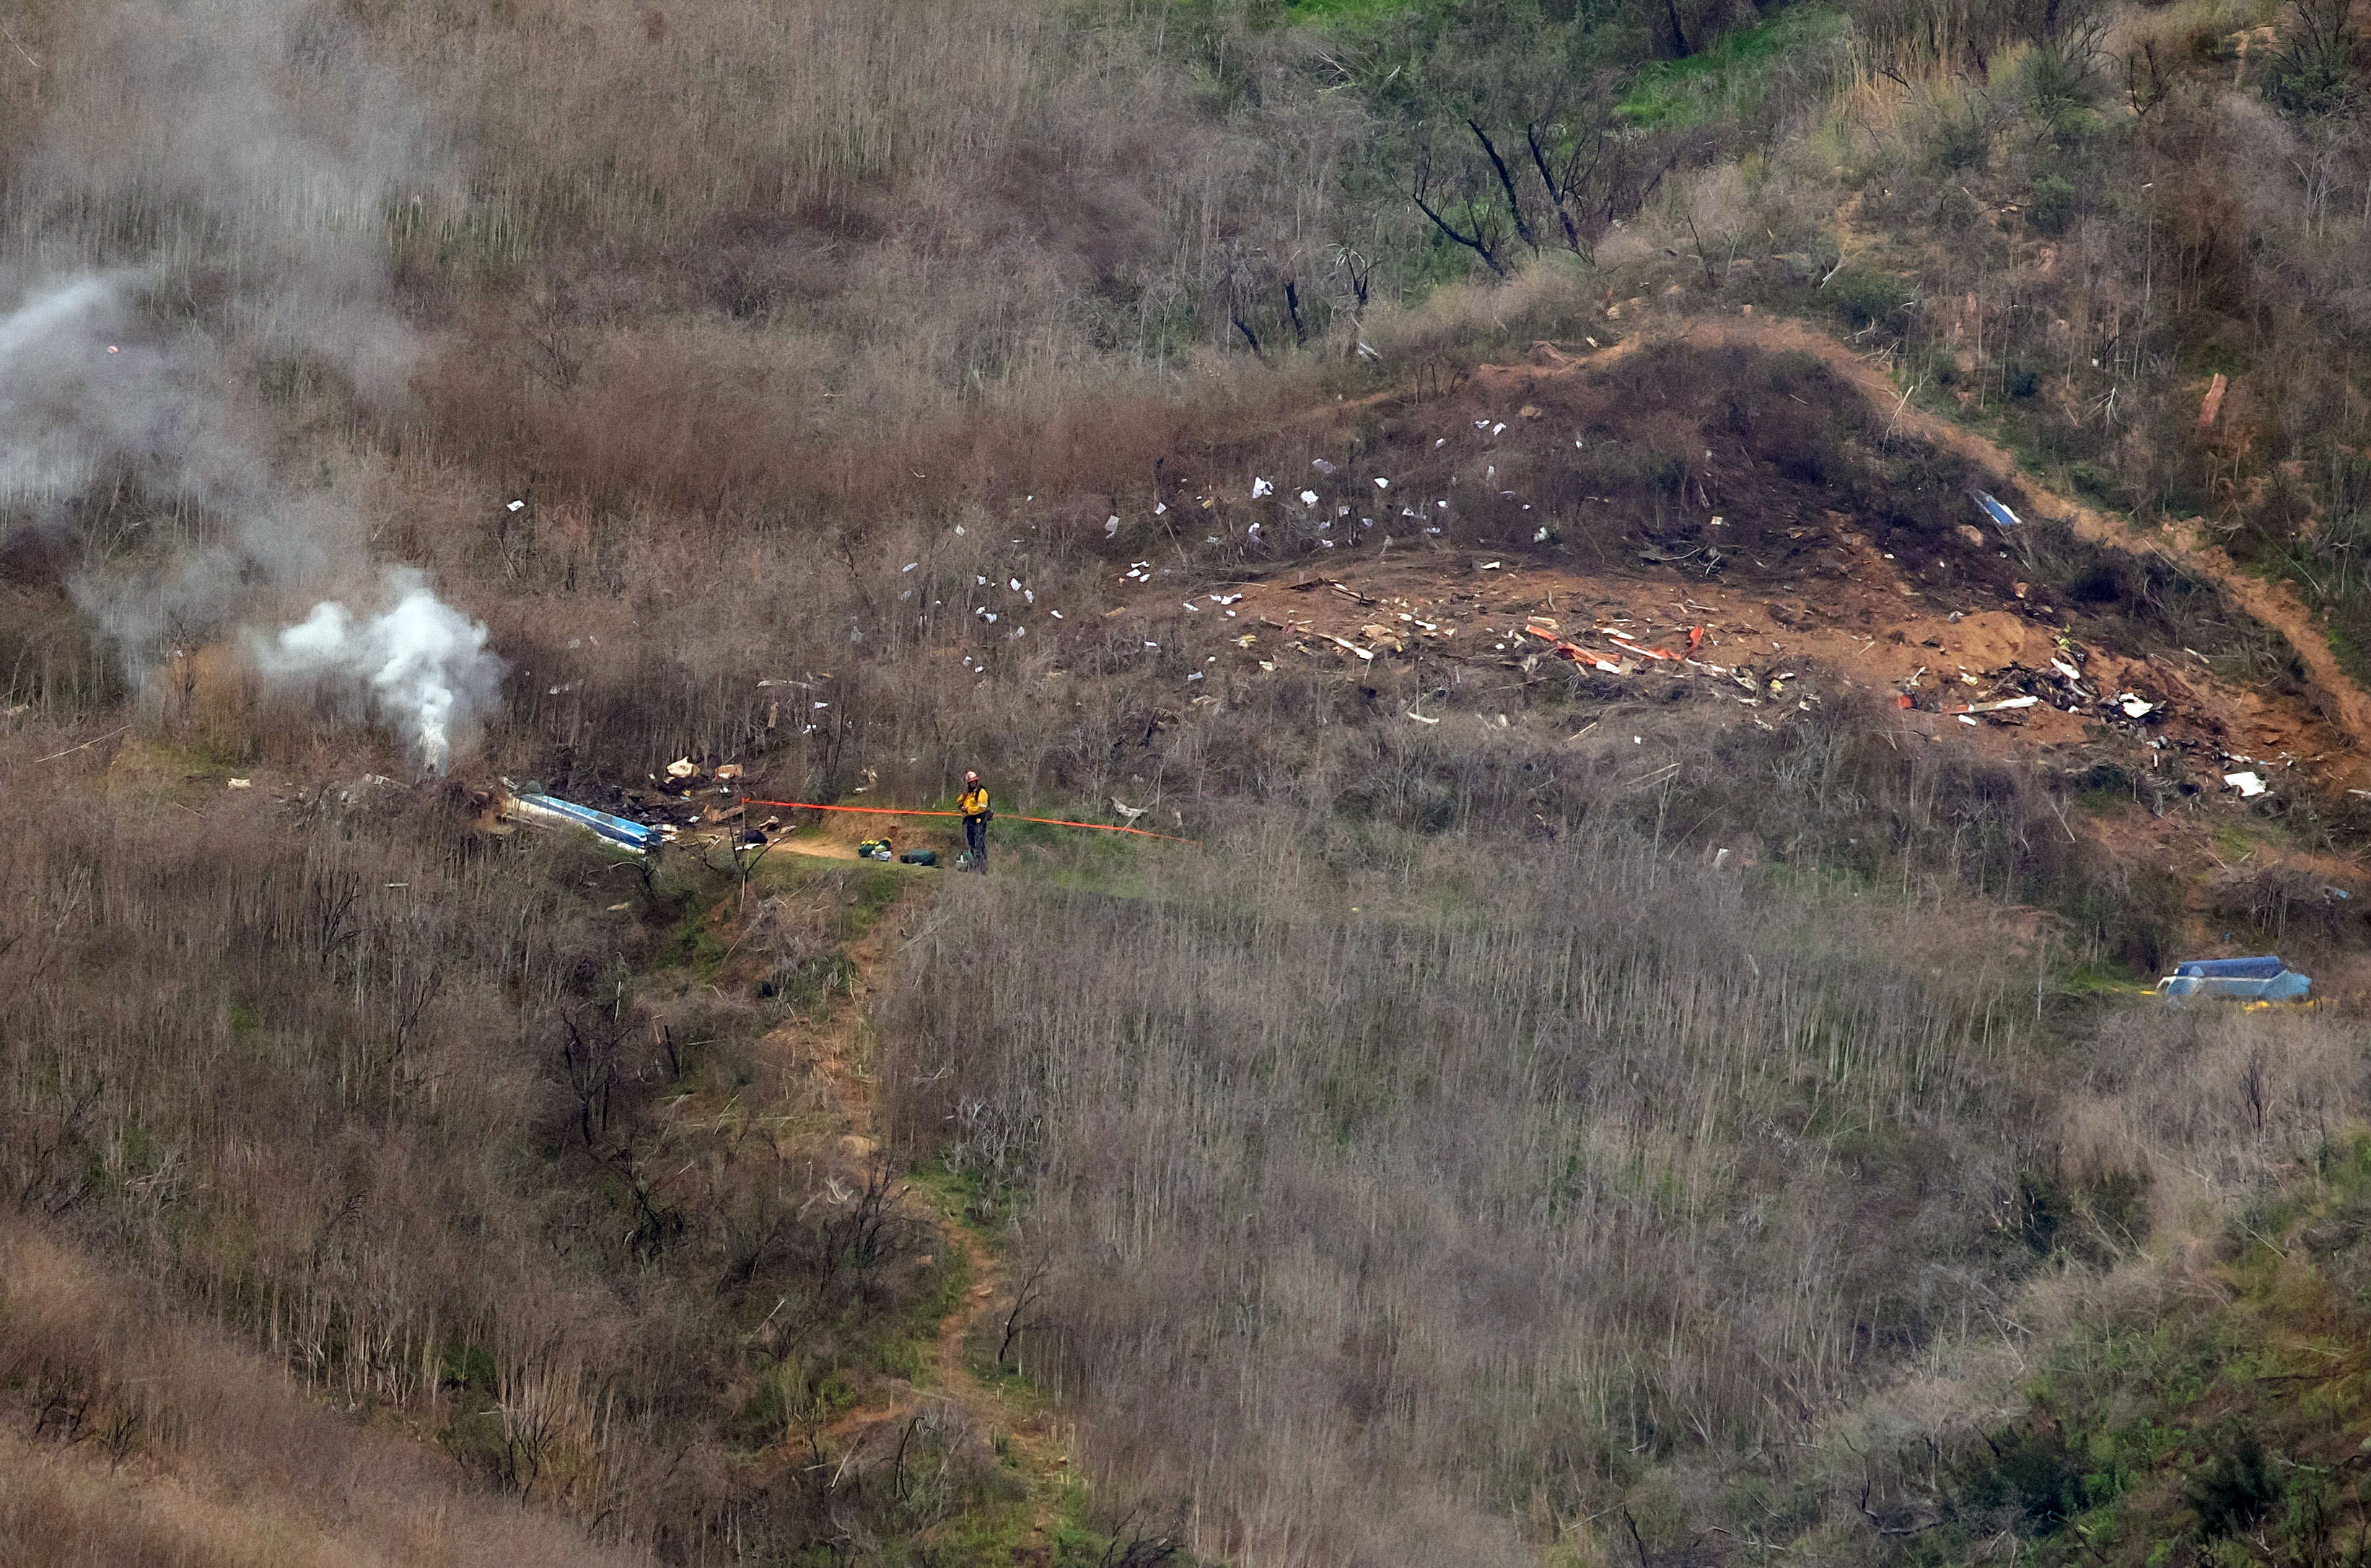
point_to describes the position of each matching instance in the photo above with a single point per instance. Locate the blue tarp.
(2232, 969)
(1996, 511)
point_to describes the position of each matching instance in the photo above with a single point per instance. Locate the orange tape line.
(908, 812)
(875, 810)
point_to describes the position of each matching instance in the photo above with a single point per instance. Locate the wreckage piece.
(2264, 979)
(1343, 642)
(550, 811)
(1574, 652)
(1996, 707)
(1995, 511)
(1623, 642)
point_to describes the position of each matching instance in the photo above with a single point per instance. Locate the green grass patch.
(1353, 13)
(968, 1197)
(693, 943)
(1674, 93)
(2346, 649)
(2226, 1420)
(2096, 976)
(2232, 841)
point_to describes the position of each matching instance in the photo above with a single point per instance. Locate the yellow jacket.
(974, 802)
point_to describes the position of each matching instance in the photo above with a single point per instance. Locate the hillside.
(1630, 1039)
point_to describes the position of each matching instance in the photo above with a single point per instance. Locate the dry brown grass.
(1563, 1167)
(368, 1093)
(144, 1440)
(1463, 1183)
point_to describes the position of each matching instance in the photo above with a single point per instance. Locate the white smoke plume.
(419, 666)
(262, 148)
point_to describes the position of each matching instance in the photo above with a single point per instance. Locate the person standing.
(975, 818)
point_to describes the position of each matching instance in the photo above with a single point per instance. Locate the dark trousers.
(976, 835)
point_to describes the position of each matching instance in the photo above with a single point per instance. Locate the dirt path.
(833, 1049)
(2275, 604)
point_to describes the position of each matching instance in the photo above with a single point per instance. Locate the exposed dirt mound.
(1747, 515)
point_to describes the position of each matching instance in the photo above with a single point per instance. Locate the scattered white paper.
(1261, 487)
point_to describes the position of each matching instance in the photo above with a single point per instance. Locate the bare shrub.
(2281, 902)
(1451, 1210)
(235, 1466)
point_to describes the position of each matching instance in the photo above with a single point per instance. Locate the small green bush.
(1864, 296)
(2236, 1487)
(1961, 142)
(2053, 204)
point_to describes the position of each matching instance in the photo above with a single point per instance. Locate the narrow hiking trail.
(834, 1049)
(2276, 604)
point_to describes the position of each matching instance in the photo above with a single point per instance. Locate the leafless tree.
(1584, 169)
(1026, 1298)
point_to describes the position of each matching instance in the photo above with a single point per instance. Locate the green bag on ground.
(920, 858)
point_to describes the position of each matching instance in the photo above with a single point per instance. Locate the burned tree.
(1586, 170)
(1484, 233)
